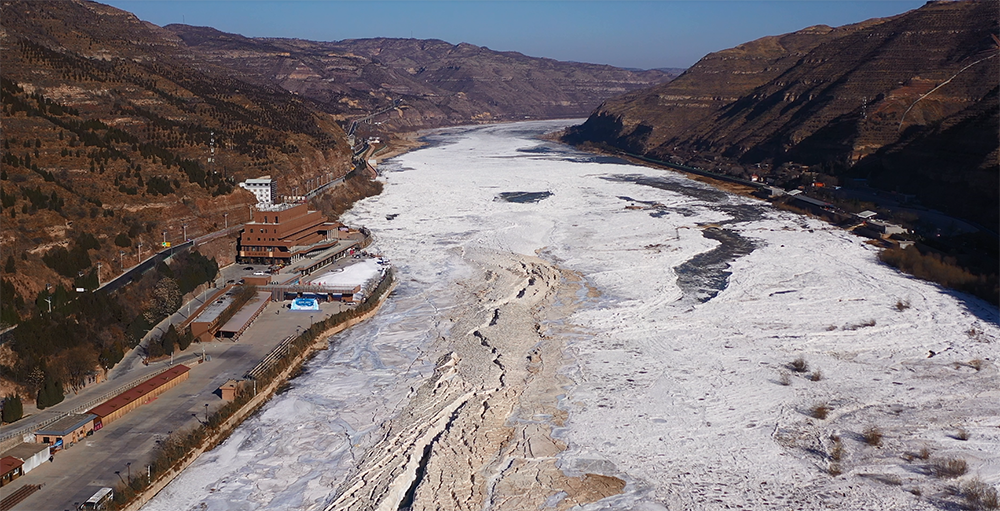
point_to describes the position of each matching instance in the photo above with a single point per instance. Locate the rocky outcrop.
(864, 98)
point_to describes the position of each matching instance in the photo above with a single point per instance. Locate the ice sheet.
(678, 390)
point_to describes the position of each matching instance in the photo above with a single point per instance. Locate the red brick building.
(284, 233)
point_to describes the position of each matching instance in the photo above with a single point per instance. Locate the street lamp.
(119, 474)
(206, 413)
(164, 238)
(129, 467)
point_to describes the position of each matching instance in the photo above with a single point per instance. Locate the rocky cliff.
(909, 102)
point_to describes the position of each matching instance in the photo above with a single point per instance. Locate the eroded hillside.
(908, 102)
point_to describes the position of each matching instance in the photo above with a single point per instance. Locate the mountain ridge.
(442, 83)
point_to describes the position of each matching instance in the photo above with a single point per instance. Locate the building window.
(46, 440)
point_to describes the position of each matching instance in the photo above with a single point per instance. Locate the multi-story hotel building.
(284, 233)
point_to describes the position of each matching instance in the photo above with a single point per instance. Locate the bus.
(100, 500)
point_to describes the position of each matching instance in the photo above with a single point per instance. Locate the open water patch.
(524, 197)
(705, 275)
(703, 193)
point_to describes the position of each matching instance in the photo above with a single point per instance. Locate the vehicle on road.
(99, 500)
(248, 268)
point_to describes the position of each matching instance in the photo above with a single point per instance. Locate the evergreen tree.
(9, 266)
(50, 394)
(185, 339)
(169, 339)
(13, 409)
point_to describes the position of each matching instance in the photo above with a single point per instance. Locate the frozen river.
(679, 366)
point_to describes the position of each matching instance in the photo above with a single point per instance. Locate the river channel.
(700, 298)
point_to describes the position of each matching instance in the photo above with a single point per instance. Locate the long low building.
(235, 327)
(112, 409)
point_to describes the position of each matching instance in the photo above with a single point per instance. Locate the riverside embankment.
(273, 378)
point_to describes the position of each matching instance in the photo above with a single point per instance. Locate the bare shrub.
(949, 468)
(816, 375)
(916, 491)
(980, 495)
(819, 411)
(799, 365)
(784, 379)
(902, 305)
(925, 453)
(976, 364)
(872, 435)
(831, 328)
(961, 434)
(834, 469)
(836, 448)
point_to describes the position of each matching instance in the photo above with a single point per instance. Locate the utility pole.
(49, 299)
(99, 264)
(140, 252)
(121, 253)
(226, 216)
(185, 226)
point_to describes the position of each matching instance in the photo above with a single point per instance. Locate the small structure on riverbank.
(229, 389)
(10, 469)
(31, 454)
(66, 431)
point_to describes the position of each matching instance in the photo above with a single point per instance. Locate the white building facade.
(264, 188)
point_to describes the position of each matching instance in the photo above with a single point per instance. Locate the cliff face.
(440, 83)
(107, 130)
(909, 102)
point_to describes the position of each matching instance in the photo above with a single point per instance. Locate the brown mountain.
(909, 102)
(441, 83)
(107, 130)
(108, 123)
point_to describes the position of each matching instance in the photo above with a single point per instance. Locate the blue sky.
(624, 33)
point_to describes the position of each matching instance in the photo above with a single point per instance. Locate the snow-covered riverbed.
(680, 373)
